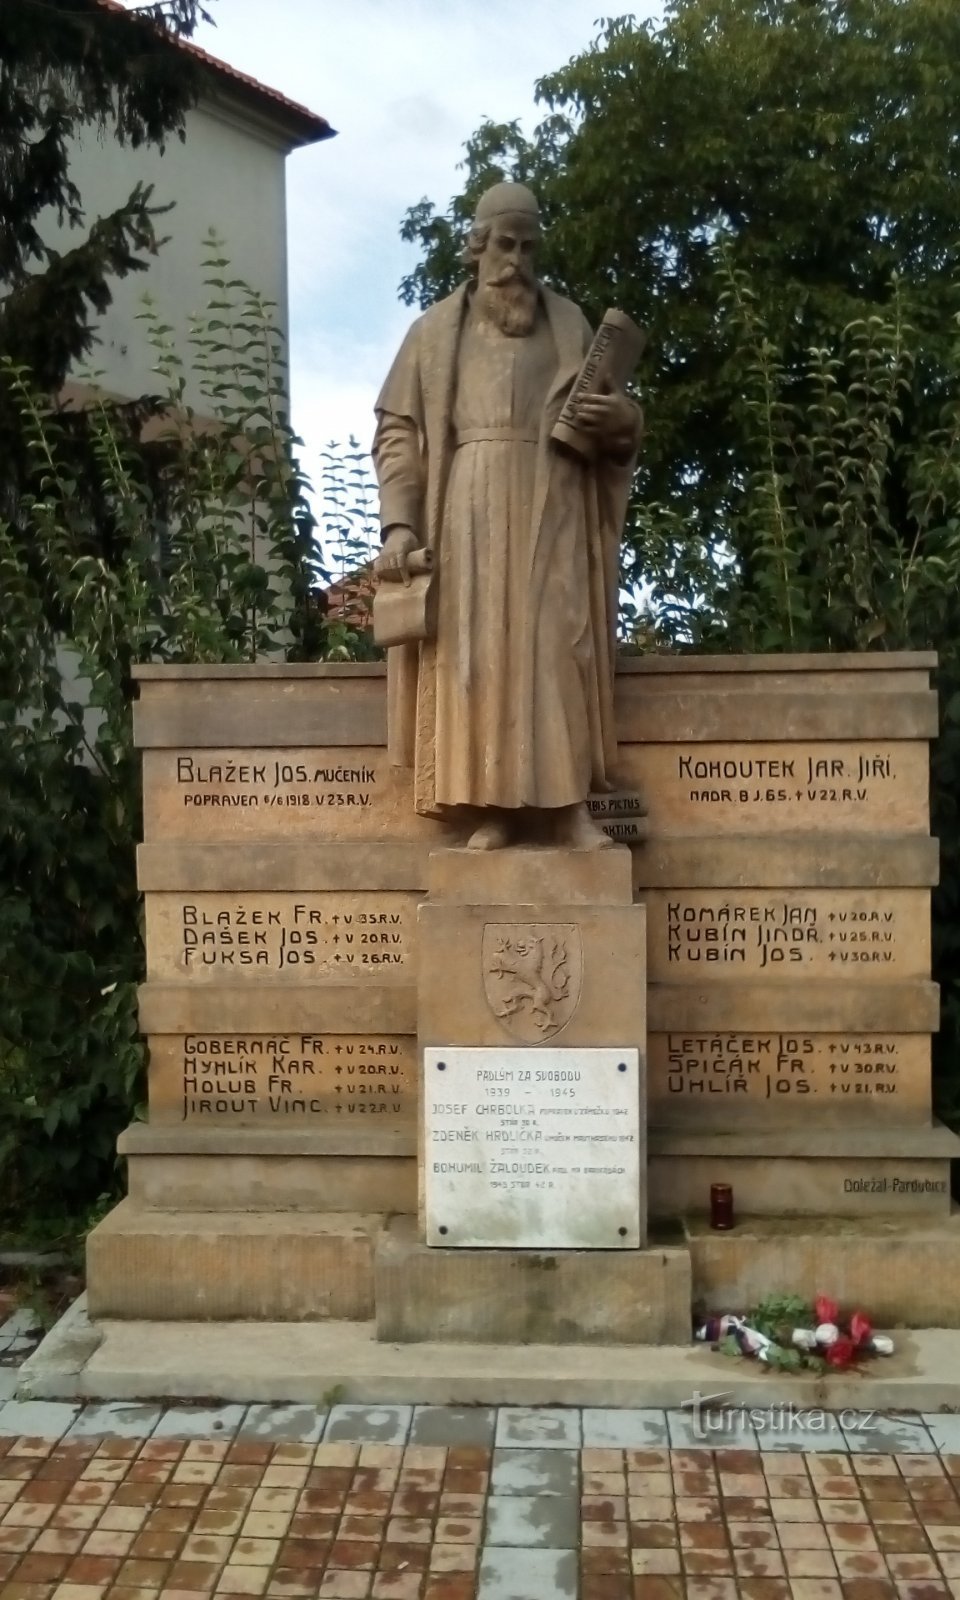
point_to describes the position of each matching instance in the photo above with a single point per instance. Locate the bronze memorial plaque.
(801, 933)
(225, 937)
(293, 1077)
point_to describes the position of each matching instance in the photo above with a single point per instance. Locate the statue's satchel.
(404, 612)
(611, 361)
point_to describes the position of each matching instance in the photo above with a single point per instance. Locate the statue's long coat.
(557, 741)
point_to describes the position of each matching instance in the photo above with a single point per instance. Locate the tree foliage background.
(771, 188)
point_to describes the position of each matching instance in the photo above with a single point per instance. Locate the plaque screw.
(441, 1066)
(442, 1229)
(622, 1232)
(622, 1066)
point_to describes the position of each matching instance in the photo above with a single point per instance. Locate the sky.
(405, 83)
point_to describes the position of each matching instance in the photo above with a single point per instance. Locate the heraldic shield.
(532, 976)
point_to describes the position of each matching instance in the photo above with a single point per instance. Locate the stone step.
(288, 1362)
(843, 1171)
(901, 1272)
(228, 1169)
(179, 1265)
(855, 1170)
(600, 1297)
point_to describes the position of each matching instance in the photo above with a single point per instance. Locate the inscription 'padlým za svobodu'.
(532, 1148)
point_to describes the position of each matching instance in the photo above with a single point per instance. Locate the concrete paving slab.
(943, 1429)
(20, 1322)
(36, 1419)
(711, 1426)
(200, 1422)
(118, 1419)
(534, 1472)
(547, 1428)
(369, 1424)
(453, 1425)
(280, 1424)
(298, 1362)
(512, 1574)
(8, 1383)
(800, 1428)
(534, 1521)
(624, 1429)
(891, 1434)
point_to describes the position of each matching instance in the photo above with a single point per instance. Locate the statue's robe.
(512, 704)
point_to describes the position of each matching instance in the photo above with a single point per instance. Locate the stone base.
(255, 1266)
(297, 1363)
(903, 1274)
(842, 1171)
(532, 875)
(250, 1169)
(599, 1297)
(181, 1266)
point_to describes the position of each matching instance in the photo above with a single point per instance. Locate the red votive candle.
(721, 1206)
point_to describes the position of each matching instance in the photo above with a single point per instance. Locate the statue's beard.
(510, 304)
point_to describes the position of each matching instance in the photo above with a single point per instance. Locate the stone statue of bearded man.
(508, 710)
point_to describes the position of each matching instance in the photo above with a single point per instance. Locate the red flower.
(825, 1310)
(841, 1352)
(860, 1329)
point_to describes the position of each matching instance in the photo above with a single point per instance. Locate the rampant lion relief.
(532, 976)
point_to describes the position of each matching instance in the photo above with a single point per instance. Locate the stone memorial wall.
(777, 813)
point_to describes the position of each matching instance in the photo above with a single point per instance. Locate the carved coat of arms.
(532, 976)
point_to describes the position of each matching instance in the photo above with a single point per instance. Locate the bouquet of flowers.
(786, 1333)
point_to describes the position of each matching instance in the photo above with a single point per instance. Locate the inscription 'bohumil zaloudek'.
(503, 698)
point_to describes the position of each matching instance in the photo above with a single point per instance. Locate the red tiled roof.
(310, 127)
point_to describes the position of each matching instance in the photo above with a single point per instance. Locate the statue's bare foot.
(578, 830)
(493, 834)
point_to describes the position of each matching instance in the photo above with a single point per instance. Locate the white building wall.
(228, 175)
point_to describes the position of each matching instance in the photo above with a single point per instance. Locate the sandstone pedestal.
(532, 1030)
(603, 1297)
(776, 843)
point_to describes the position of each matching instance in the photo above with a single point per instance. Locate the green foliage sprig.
(192, 543)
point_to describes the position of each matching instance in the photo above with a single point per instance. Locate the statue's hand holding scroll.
(613, 420)
(392, 565)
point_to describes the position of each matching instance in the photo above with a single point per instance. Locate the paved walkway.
(434, 1503)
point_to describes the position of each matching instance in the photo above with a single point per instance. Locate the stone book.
(611, 361)
(407, 612)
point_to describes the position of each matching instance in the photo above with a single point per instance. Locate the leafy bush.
(194, 542)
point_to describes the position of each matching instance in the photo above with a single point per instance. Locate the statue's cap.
(507, 200)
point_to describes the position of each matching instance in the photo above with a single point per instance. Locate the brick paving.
(132, 1502)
